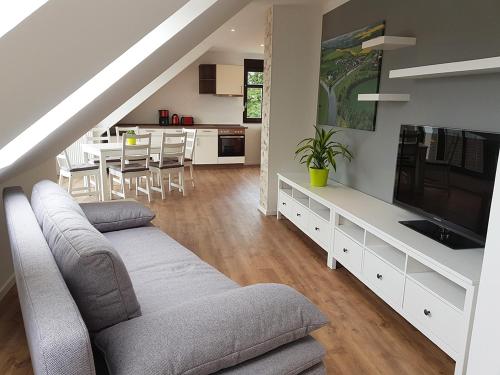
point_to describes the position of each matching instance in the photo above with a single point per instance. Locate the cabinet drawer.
(435, 315)
(383, 279)
(320, 231)
(299, 215)
(212, 132)
(347, 252)
(285, 204)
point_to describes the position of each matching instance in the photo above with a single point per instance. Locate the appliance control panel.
(231, 131)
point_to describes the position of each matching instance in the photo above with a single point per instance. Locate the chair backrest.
(97, 135)
(120, 130)
(172, 147)
(190, 142)
(63, 160)
(138, 153)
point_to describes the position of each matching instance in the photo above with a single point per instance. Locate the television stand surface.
(442, 234)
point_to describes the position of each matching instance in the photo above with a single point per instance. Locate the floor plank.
(219, 221)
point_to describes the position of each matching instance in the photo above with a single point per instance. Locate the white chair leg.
(110, 183)
(191, 173)
(97, 188)
(169, 182)
(122, 181)
(69, 184)
(162, 186)
(179, 177)
(148, 189)
(181, 182)
(60, 179)
(136, 186)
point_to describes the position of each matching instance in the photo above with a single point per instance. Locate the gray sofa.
(134, 301)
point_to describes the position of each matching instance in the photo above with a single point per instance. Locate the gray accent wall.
(446, 31)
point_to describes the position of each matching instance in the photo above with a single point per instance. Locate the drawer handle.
(345, 250)
(427, 312)
(284, 204)
(316, 229)
(298, 214)
(379, 276)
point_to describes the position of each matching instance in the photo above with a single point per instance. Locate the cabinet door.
(205, 151)
(230, 80)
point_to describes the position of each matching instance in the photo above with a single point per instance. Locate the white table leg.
(104, 176)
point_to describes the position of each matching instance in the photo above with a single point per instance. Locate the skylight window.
(13, 12)
(102, 81)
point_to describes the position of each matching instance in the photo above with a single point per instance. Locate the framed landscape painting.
(346, 71)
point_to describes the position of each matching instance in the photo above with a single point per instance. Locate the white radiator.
(75, 153)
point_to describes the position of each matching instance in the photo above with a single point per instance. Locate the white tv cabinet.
(430, 285)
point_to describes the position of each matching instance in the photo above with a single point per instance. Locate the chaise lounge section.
(131, 300)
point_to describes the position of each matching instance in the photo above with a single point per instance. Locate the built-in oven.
(231, 146)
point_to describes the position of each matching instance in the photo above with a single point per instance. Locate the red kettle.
(175, 119)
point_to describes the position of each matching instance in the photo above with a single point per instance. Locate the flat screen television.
(447, 175)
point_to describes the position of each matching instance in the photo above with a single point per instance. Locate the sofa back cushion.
(92, 269)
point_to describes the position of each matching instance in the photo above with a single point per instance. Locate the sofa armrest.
(58, 340)
(209, 334)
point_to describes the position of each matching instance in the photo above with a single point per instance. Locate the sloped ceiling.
(61, 46)
(101, 42)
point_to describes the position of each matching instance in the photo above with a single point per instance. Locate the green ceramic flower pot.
(318, 177)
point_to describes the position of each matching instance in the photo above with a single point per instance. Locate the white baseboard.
(7, 286)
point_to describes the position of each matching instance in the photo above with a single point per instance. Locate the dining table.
(105, 151)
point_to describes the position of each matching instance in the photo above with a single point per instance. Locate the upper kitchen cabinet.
(224, 80)
(229, 80)
(208, 76)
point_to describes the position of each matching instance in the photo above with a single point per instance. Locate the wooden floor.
(219, 221)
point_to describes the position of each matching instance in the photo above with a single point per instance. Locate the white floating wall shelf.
(383, 97)
(389, 42)
(468, 67)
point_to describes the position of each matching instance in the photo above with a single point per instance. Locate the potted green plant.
(131, 141)
(319, 153)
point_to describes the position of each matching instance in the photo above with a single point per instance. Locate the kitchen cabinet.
(206, 148)
(229, 80)
(207, 77)
(220, 79)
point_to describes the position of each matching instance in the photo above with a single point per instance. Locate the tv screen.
(447, 175)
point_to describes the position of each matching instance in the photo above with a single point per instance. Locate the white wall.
(296, 36)
(181, 96)
(483, 355)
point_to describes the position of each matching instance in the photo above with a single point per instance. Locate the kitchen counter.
(195, 126)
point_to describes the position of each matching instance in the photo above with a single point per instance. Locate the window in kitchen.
(254, 83)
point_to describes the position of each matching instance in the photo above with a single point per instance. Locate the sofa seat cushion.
(211, 333)
(117, 215)
(164, 273)
(92, 269)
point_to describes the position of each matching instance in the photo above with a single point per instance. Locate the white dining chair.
(134, 164)
(189, 151)
(98, 135)
(84, 171)
(172, 149)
